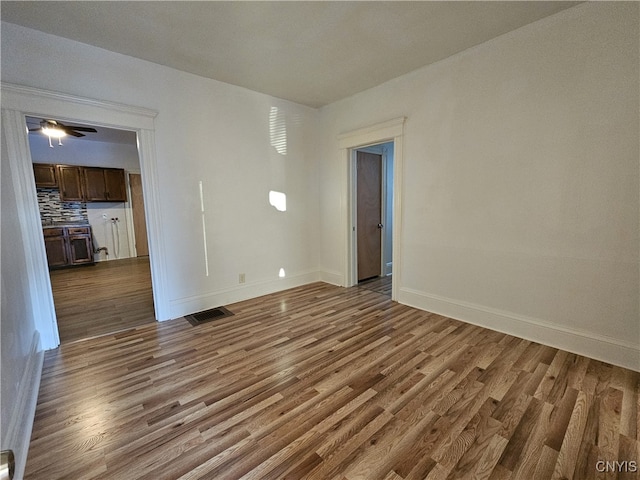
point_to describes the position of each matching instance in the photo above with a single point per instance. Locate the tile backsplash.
(54, 209)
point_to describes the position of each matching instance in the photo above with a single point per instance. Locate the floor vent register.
(208, 316)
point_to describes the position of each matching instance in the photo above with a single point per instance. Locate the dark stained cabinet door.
(115, 185)
(56, 248)
(84, 184)
(94, 186)
(68, 246)
(80, 249)
(70, 183)
(45, 175)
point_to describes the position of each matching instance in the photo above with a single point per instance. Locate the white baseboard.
(188, 305)
(333, 278)
(388, 269)
(18, 433)
(607, 349)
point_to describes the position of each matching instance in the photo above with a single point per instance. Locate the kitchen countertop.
(68, 223)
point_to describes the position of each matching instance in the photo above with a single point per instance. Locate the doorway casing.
(17, 103)
(389, 131)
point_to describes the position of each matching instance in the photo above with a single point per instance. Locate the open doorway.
(373, 212)
(18, 102)
(89, 195)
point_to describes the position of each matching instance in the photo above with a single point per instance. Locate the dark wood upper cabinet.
(115, 185)
(45, 175)
(104, 184)
(70, 183)
(91, 184)
(94, 186)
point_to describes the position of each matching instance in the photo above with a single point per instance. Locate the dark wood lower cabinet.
(80, 249)
(67, 246)
(56, 251)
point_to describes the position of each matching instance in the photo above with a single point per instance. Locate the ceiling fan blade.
(35, 129)
(73, 134)
(67, 128)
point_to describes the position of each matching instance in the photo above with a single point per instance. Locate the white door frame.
(392, 130)
(20, 101)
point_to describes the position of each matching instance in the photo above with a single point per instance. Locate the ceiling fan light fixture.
(54, 132)
(54, 129)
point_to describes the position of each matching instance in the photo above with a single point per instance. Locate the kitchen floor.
(104, 298)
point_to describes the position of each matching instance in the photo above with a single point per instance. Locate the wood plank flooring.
(103, 298)
(321, 382)
(380, 285)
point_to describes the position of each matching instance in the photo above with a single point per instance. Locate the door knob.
(380, 225)
(7, 464)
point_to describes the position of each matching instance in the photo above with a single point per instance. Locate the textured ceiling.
(312, 53)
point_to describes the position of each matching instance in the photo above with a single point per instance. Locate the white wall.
(77, 151)
(520, 191)
(205, 131)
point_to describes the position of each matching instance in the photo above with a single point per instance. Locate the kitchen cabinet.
(68, 245)
(115, 185)
(55, 244)
(94, 188)
(104, 184)
(45, 175)
(80, 249)
(70, 183)
(91, 184)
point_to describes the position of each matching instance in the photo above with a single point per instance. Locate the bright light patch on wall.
(278, 130)
(281, 273)
(278, 200)
(204, 230)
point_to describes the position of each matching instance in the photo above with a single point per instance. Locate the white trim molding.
(40, 102)
(372, 134)
(599, 347)
(37, 269)
(17, 435)
(332, 277)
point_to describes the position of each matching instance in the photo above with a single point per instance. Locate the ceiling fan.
(53, 128)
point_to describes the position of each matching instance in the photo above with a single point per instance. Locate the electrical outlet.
(241, 278)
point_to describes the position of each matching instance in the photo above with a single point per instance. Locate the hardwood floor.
(321, 382)
(103, 298)
(381, 285)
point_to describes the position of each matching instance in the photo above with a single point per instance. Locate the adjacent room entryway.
(373, 211)
(386, 139)
(91, 205)
(369, 213)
